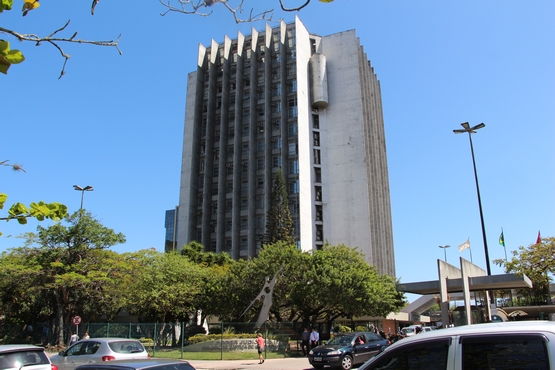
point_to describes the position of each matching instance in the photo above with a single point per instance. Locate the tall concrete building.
(310, 104)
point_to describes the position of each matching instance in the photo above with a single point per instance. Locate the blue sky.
(116, 122)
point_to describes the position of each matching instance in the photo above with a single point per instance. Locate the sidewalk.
(272, 364)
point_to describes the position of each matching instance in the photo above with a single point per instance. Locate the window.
(517, 351)
(276, 89)
(315, 121)
(293, 148)
(316, 156)
(276, 107)
(430, 355)
(276, 142)
(293, 167)
(292, 108)
(260, 202)
(294, 187)
(292, 86)
(260, 146)
(276, 161)
(316, 136)
(244, 224)
(244, 204)
(292, 129)
(260, 183)
(318, 174)
(276, 74)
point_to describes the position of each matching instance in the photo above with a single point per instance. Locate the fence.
(223, 340)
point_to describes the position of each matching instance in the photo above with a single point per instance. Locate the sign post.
(76, 320)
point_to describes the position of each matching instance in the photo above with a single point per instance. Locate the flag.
(502, 238)
(464, 245)
(539, 239)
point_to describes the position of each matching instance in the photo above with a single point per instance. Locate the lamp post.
(444, 247)
(83, 190)
(470, 131)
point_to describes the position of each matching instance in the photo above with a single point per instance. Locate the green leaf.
(5, 5)
(3, 198)
(4, 47)
(14, 57)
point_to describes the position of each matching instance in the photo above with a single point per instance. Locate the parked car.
(346, 350)
(19, 356)
(98, 350)
(149, 364)
(506, 345)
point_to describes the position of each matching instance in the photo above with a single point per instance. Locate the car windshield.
(22, 358)
(408, 330)
(126, 346)
(341, 339)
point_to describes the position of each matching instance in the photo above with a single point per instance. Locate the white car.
(24, 357)
(506, 345)
(98, 350)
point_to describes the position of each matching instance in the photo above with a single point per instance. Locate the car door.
(70, 358)
(375, 344)
(88, 353)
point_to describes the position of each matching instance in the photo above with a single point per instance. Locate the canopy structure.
(453, 280)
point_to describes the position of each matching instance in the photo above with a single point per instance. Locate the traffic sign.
(76, 320)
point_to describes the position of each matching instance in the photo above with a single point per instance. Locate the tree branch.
(56, 40)
(196, 8)
(293, 9)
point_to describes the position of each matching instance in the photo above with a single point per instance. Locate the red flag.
(539, 240)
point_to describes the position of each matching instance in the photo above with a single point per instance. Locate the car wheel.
(347, 362)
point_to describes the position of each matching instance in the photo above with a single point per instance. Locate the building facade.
(310, 104)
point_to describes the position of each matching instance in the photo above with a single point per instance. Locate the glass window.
(276, 161)
(292, 148)
(430, 355)
(276, 142)
(293, 167)
(502, 352)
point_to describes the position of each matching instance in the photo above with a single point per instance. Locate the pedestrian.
(305, 341)
(314, 338)
(86, 336)
(260, 347)
(73, 339)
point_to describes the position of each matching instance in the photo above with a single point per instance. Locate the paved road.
(272, 364)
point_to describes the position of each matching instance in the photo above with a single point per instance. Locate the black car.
(150, 364)
(347, 349)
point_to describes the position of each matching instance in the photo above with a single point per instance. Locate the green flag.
(502, 238)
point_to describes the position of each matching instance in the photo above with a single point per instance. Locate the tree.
(75, 268)
(200, 7)
(279, 224)
(10, 56)
(537, 261)
(41, 210)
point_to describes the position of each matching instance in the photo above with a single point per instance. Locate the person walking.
(260, 347)
(314, 338)
(305, 341)
(73, 339)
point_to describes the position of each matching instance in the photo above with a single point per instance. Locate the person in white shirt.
(314, 338)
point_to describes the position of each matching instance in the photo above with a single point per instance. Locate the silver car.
(19, 356)
(96, 350)
(500, 346)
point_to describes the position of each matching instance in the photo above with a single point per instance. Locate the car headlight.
(311, 352)
(333, 353)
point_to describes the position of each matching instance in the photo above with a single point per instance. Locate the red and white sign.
(76, 320)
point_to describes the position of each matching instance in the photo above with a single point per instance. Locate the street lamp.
(470, 131)
(83, 190)
(444, 247)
